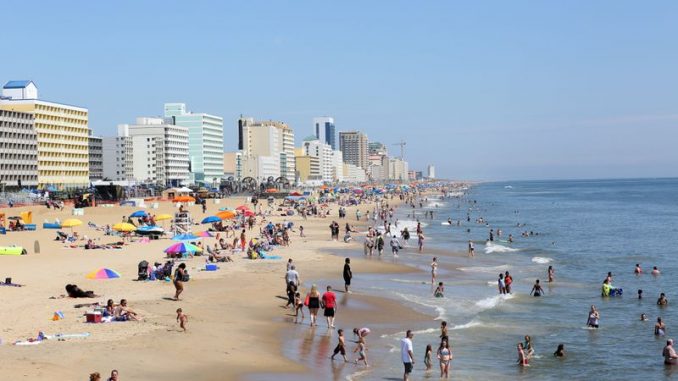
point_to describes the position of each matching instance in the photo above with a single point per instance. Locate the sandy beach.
(235, 314)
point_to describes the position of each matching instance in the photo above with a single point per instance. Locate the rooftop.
(17, 84)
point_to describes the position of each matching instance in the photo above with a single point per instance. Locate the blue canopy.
(139, 213)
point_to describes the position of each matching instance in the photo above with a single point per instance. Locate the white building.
(151, 151)
(325, 157)
(354, 174)
(431, 171)
(268, 150)
(398, 170)
(337, 166)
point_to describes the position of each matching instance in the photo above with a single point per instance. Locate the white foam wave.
(494, 248)
(492, 302)
(419, 300)
(356, 375)
(471, 324)
(408, 281)
(488, 269)
(542, 260)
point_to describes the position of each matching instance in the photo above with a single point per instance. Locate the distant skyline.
(483, 91)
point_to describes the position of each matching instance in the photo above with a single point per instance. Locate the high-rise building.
(62, 135)
(325, 131)
(431, 171)
(376, 148)
(18, 150)
(205, 141)
(353, 145)
(268, 150)
(325, 156)
(96, 157)
(150, 151)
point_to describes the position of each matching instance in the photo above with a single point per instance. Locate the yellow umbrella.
(124, 227)
(71, 222)
(163, 217)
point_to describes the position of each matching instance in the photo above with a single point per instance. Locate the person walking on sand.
(179, 276)
(407, 354)
(313, 304)
(292, 276)
(348, 274)
(434, 270)
(243, 240)
(298, 307)
(395, 245)
(341, 346)
(329, 304)
(182, 319)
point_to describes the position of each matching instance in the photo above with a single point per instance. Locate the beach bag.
(186, 277)
(306, 300)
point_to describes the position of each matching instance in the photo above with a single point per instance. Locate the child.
(301, 231)
(427, 357)
(182, 319)
(341, 346)
(361, 349)
(439, 290)
(298, 306)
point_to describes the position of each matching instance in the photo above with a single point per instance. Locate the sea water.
(583, 229)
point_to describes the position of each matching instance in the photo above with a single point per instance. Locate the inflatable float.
(12, 250)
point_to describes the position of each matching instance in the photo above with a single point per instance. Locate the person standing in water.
(662, 301)
(434, 270)
(551, 273)
(341, 346)
(536, 289)
(348, 274)
(594, 318)
(329, 304)
(407, 354)
(527, 347)
(420, 241)
(670, 356)
(560, 351)
(501, 285)
(508, 280)
(445, 356)
(471, 249)
(659, 327)
(522, 359)
(638, 270)
(440, 290)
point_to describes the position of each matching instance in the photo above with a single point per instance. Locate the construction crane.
(402, 145)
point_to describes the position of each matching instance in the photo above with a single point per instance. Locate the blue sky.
(483, 90)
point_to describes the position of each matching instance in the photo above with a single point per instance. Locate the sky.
(491, 90)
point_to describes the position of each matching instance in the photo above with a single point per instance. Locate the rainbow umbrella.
(205, 234)
(185, 237)
(103, 273)
(181, 248)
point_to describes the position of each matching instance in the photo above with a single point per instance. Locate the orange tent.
(183, 199)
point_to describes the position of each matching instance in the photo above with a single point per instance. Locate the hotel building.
(18, 150)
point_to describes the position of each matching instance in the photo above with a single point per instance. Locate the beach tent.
(139, 213)
(27, 217)
(103, 273)
(124, 227)
(183, 199)
(210, 220)
(183, 248)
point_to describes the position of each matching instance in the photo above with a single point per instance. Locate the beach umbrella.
(271, 190)
(163, 217)
(242, 207)
(71, 222)
(248, 213)
(124, 227)
(226, 214)
(183, 199)
(182, 248)
(185, 237)
(103, 273)
(139, 213)
(210, 220)
(205, 234)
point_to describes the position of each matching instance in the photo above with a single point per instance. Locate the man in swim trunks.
(329, 303)
(670, 356)
(348, 274)
(407, 354)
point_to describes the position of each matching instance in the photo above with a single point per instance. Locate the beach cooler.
(93, 317)
(211, 267)
(30, 227)
(78, 212)
(155, 205)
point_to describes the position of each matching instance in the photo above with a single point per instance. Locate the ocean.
(583, 229)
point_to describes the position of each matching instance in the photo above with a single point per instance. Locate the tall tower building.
(62, 135)
(205, 141)
(268, 150)
(353, 145)
(325, 131)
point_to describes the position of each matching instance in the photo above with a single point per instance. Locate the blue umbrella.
(139, 213)
(211, 220)
(185, 237)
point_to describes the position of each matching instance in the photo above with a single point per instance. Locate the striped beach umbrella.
(183, 248)
(103, 273)
(205, 234)
(185, 237)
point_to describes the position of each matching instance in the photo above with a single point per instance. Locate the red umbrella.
(248, 213)
(242, 208)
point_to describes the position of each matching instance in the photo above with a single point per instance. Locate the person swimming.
(560, 351)
(655, 271)
(643, 317)
(662, 301)
(659, 327)
(439, 290)
(638, 270)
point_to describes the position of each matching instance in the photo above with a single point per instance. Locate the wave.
(492, 302)
(542, 260)
(408, 281)
(489, 269)
(471, 324)
(356, 375)
(426, 302)
(494, 248)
